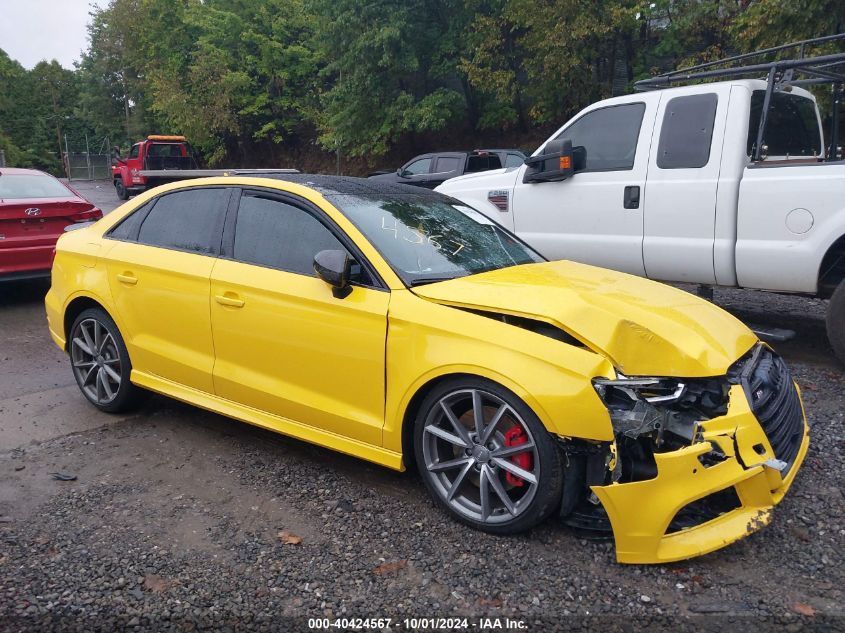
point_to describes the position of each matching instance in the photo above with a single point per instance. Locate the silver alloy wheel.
(467, 458)
(96, 361)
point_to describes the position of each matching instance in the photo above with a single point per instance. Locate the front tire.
(486, 458)
(121, 190)
(836, 321)
(100, 362)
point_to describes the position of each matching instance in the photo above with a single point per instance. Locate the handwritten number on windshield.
(417, 236)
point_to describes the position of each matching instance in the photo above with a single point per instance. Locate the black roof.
(349, 185)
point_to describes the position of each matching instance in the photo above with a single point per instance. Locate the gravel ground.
(180, 519)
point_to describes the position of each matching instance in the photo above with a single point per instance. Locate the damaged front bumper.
(643, 513)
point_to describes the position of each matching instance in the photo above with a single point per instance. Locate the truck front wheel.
(122, 193)
(836, 321)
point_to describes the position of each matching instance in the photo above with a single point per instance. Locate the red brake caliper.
(515, 436)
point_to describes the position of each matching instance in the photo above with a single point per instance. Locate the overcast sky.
(32, 30)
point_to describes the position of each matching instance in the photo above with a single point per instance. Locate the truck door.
(683, 184)
(596, 216)
(133, 166)
(418, 172)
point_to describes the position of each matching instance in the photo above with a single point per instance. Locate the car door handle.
(631, 197)
(127, 278)
(229, 299)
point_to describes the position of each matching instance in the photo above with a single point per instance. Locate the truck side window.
(609, 135)
(514, 160)
(687, 131)
(135, 150)
(792, 128)
(447, 164)
(420, 166)
(482, 162)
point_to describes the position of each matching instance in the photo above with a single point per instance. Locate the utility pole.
(88, 157)
(337, 168)
(126, 108)
(58, 129)
(66, 160)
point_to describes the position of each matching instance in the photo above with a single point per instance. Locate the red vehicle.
(147, 162)
(35, 208)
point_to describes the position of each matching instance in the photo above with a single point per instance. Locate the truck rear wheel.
(122, 193)
(836, 321)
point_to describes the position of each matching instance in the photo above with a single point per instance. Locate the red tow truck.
(151, 163)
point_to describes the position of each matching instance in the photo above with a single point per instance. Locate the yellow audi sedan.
(403, 327)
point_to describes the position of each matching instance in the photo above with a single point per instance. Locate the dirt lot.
(175, 517)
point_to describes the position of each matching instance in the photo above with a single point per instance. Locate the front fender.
(427, 341)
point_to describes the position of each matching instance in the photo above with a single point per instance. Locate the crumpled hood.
(643, 327)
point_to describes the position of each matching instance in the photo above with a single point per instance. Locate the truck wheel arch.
(835, 321)
(832, 269)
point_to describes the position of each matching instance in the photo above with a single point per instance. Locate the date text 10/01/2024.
(418, 624)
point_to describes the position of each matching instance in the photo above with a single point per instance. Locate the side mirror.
(401, 172)
(558, 161)
(333, 267)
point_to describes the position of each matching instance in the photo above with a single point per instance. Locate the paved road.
(38, 396)
(175, 516)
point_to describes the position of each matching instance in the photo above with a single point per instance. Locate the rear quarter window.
(127, 229)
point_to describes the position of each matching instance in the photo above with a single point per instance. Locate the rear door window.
(190, 220)
(609, 135)
(792, 128)
(447, 164)
(687, 131)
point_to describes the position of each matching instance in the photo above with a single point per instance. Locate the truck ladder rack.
(800, 70)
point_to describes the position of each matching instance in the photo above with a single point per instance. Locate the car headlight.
(623, 392)
(643, 406)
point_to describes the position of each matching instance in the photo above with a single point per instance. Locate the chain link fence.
(80, 163)
(85, 166)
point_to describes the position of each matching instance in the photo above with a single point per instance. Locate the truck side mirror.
(558, 161)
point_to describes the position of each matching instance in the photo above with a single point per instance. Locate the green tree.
(386, 75)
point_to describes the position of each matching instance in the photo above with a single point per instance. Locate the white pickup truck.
(676, 185)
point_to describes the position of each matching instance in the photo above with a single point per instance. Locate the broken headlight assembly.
(657, 414)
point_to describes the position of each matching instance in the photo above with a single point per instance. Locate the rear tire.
(836, 321)
(501, 473)
(122, 192)
(100, 362)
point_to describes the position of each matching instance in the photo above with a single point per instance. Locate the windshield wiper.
(421, 281)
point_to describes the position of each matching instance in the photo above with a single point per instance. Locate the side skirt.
(371, 453)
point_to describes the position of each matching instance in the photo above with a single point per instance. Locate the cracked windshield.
(427, 239)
